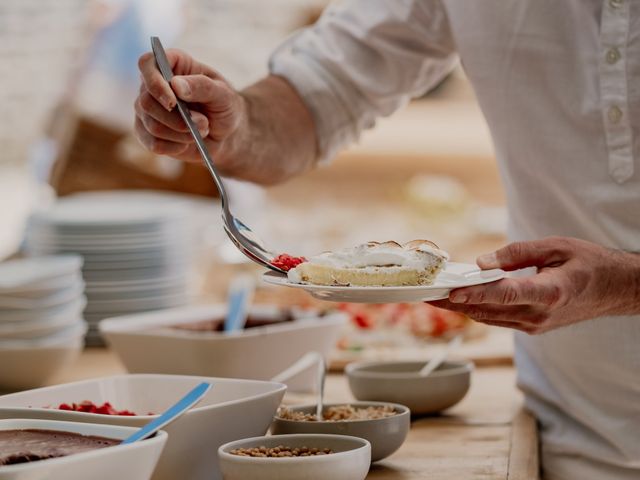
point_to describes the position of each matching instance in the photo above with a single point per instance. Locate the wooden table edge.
(524, 455)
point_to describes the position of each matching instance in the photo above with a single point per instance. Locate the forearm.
(626, 288)
(276, 139)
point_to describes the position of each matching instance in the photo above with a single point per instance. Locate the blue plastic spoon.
(185, 403)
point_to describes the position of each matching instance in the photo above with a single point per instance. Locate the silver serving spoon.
(305, 362)
(241, 235)
(322, 374)
(171, 414)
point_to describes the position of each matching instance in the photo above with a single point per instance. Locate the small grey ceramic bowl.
(350, 460)
(386, 435)
(400, 382)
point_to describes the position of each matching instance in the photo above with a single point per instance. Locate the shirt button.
(615, 3)
(615, 114)
(613, 55)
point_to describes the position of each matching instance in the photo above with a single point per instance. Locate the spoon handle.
(165, 69)
(322, 374)
(441, 357)
(184, 404)
(239, 300)
(305, 362)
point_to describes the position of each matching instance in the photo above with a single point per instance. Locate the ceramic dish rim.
(401, 410)
(147, 328)
(278, 387)
(223, 453)
(354, 369)
(160, 437)
(488, 276)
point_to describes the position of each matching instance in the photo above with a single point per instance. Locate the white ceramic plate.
(109, 209)
(454, 275)
(58, 297)
(70, 309)
(19, 274)
(33, 329)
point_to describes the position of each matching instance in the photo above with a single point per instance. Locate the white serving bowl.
(350, 461)
(232, 409)
(143, 340)
(134, 461)
(31, 363)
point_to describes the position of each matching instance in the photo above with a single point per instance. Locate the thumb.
(517, 255)
(202, 89)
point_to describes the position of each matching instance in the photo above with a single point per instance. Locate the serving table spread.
(486, 436)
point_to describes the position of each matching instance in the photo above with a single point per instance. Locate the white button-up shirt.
(559, 84)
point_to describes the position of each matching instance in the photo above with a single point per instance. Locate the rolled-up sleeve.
(364, 59)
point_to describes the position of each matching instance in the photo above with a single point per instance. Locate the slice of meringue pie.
(374, 264)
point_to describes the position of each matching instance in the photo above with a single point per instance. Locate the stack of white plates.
(135, 247)
(41, 303)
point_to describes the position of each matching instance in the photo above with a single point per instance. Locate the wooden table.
(486, 436)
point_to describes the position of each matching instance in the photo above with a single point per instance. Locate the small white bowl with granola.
(296, 457)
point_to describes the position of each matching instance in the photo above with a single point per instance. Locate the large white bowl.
(29, 363)
(349, 462)
(231, 410)
(142, 342)
(134, 461)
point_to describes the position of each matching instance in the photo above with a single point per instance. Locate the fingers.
(215, 93)
(154, 83)
(537, 253)
(147, 105)
(157, 145)
(519, 317)
(542, 289)
(167, 125)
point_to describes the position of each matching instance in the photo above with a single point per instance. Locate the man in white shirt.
(559, 85)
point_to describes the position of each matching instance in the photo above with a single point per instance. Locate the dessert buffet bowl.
(386, 435)
(143, 341)
(349, 460)
(231, 410)
(29, 363)
(135, 460)
(400, 381)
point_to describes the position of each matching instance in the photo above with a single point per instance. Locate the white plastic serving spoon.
(436, 361)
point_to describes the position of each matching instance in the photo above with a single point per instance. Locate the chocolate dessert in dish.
(253, 321)
(23, 446)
